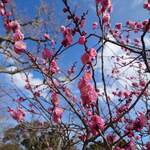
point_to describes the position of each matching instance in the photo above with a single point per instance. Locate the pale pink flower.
(53, 66)
(93, 52)
(14, 25)
(18, 36)
(88, 94)
(19, 47)
(67, 92)
(2, 11)
(96, 124)
(55, 99)
(68, 39)
(87, 76)
(57, 114)
(106, 19)
(52, 43)
(17, 114)
(58, 111)
(62, 29)
(1, 5)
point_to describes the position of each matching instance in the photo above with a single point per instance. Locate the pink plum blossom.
(19, 47)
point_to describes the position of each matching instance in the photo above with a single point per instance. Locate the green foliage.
(99, 146)
(9, 147)
(34, 138)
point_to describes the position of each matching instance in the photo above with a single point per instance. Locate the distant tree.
(35, 138)
(9, 147)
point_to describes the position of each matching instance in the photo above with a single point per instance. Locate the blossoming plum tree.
(108, 114)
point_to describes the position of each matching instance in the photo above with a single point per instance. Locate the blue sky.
(122, 10)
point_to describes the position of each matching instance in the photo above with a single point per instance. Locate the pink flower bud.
(139, 25)
(82, 40)
(2, 11)
(62, 29)
(18, 36)
(145, 5)
(14, 25)
(82, 23)
(93, 52)
(118, 26)
(46, 36)
(17, 114)
(94, 25)
(106, 19)
(86, 58)
(46, 54)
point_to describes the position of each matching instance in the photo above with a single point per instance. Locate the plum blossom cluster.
(57, 111)
(147, 5)
(135, 125)
(135, 26)
(88, 94)
(14, 26)
(19, 45)
(51, 66)
(96, 124)
(105, 8)
(57, 114)
(67, 34)
(87, 57)
(17, 114)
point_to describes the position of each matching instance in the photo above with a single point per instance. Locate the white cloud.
(19, 80)
(120, 79)
(110, 50)
(147, 41)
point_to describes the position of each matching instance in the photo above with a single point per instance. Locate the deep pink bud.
(82, 40)
(5, 1)
(118, 26)
(46, 36)
(86, 58)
